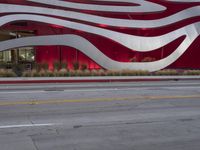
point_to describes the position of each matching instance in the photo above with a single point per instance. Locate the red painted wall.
(50, 54)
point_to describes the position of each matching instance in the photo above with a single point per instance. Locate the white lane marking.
(24, 125)
(22, 92)
(95, 90)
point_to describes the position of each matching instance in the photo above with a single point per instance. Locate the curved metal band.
(145, 6)
(185, 14)
(135, 43)
(91, 51)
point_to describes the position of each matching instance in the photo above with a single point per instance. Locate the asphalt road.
(101, 116)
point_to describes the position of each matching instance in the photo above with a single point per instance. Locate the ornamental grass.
(7, 73)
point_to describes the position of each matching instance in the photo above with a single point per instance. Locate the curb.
(75, 81)
(95, 79)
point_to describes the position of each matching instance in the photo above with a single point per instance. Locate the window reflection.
(24, 54)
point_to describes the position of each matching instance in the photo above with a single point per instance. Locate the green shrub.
(18, 69)
(45, 66)
(56, 73)
(7, 73)
(86, 72)
(10, 73)
(142, 73)
(134, 73)
(102, 72)
(94, 72)
(110, 73)
(126, 72)
(63, 73)
(35, 73)
(26, 74)
(166, 72)
(191, 72)
(148, 59)
(79, 73)
(36, 66)
(42, 73)
(117, 73)
(2, 72)
(49, 73)
(134, 59)
(72, 73)
(3, 65)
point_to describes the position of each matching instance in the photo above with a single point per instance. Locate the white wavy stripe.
(135, 43)
(183, 1)
(91, 51)
(145, 6)
(185, 14)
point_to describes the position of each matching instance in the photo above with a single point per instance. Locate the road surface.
(101, 116)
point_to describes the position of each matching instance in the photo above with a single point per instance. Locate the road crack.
(34, 143)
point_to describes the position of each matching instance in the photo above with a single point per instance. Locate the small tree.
(56, 65)
(64, 65)
(84, 67)
(76, 65)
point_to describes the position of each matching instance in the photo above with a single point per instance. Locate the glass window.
(26, 54)
(30, 54)
(1, 56)
(7, 56)
(22, 54)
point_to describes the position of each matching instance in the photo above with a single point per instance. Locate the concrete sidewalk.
(22, 80)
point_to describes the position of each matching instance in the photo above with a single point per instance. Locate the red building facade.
(129, 34)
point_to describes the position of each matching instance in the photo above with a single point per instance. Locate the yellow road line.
(38, 102)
